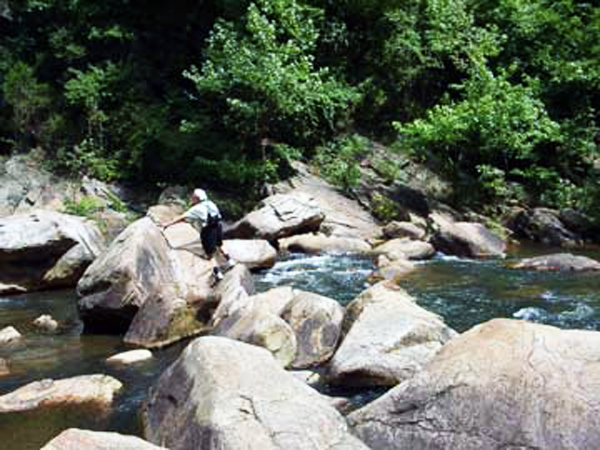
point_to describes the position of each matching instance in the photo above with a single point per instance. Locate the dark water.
(463, 292)
(64, 355)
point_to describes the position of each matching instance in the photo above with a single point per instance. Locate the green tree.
(28, 99)
(261, 76)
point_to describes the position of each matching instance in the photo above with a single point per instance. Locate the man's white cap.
(200, 194)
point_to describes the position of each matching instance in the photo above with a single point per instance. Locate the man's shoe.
(217, 275)
(229, 264)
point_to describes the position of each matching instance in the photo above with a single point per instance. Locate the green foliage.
(86, 206)
(27, 97)
(385, 209)
(262, 75)
(338, 161)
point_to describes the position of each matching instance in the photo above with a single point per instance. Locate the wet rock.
(46, 249)
(396, 230)
(226, 394)
(394, 270)
(388, 339)
(316, 244)
(543, 225)
(279, 216)
(9, 335)
(558, 262)
(502, 384)
(405, 249)
(75, 439)
(9, 289)
(46, 323)
(253, 253)
(466, 239)
(93, 391)
(130, 357)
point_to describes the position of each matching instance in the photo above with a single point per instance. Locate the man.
(206, 218)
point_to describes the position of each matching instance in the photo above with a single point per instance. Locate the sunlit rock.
(389, 338)
(75, 439)
(502, 384)
(9, 335)
(130, 357)
(558, 262)
(279, 216)
(95, 392)
(229, 395)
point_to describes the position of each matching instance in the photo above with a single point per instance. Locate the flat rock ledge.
(94, 391)
(558, 262)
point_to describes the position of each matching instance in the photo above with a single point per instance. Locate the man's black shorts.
(212, 236)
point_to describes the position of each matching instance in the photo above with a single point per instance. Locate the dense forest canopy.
(500, 95)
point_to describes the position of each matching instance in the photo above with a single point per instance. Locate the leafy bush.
(338, 161)
(496, 129)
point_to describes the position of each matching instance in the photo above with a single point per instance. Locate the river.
(464, 292)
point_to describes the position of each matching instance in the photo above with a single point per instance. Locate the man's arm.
(177, 219)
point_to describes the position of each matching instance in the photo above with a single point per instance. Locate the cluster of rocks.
(502, 384)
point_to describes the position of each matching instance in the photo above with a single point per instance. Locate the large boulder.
(279, 216)
(317, 324)
(343, 217)
(395, 230)
(404, 248)
(389, 339)
(95, 392)
(544, 225)
(223, 394)
(503, 384)
(46, 249)
(263, 329)
(558, 262)
(300, 328)
(253, 253)
(466, 239)
(149, 285)
(319, 243)
(76, 439)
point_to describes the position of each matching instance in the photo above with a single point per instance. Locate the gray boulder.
(316, 244)
(466, 239)
(46, 249)
(504, 384)
(558, 262)
(404, 249)
(279, 216)
(75, 439)
(389, 338)
(223, 394)
(395, 230)
(253, 253)
(95, 392)
(317, 323)
(546, 226)
(344, 217)
(148, 286)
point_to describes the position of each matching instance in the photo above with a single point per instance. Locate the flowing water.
(464, 292)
